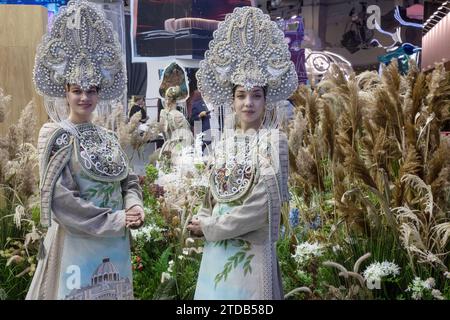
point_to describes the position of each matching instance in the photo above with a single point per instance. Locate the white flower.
(180, 257)
(146, 232)
(437, 294)
(447, 274)
(378, 270)
(429, 283)
(171, 263)
(201, 181)
(336, 248)
(19, 213)
(165, 276)
(417, 295)
(172, 178)
(418, 287)
(301, 273)
(306, 251)
(186, 251)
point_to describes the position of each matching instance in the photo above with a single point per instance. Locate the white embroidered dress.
(240, 219)
(87, 247)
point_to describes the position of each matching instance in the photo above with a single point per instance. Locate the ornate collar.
(102, 158)
(234, 168)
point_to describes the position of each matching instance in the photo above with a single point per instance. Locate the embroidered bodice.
(236, 160)
(98, 151)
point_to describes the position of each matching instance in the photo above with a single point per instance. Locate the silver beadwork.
(234, 169)
(102, 158)
(81, 48)
(248, 49)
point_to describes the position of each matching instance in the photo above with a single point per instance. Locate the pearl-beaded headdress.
(81, 48)
(248, 49)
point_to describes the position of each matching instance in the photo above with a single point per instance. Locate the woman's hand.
(134, 217)
(195, 228)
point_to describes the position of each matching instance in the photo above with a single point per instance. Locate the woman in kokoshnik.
(247, 67)
(89, 197)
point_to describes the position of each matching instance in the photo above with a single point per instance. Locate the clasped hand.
(134, 217)
(195, 228)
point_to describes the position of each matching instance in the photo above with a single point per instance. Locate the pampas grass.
(19, 159)
(128, 132)
(382, 149)
(19, 211)
(4, 101)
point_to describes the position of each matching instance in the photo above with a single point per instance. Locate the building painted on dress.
(106, 284)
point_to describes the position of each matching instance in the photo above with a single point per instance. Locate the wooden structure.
(22, 28)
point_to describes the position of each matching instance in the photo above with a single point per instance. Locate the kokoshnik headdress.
(248, 49)
(82, 48)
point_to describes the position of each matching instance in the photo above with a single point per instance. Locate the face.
(249, 107)
(141, 102)
(82, 103)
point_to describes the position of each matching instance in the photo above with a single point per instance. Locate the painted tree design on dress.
(239, 257)
(103, 191)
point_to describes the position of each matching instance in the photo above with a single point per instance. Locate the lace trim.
(268, 267)
(101, 156)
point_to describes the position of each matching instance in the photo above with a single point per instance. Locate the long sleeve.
(81, 217)
(197, 108)
(251, 215)
(132, 192)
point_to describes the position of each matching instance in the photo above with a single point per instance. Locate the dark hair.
(70, 84)
(237, 85)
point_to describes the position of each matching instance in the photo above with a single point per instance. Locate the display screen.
(177, 27)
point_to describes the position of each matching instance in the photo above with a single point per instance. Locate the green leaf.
(166, 291)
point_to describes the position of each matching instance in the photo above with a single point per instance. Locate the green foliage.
(36, 214)
(186, 275)
(151, 173)
(154, 261)
(166, 290)
(290, 278)
(16, 277)
(11, 286)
